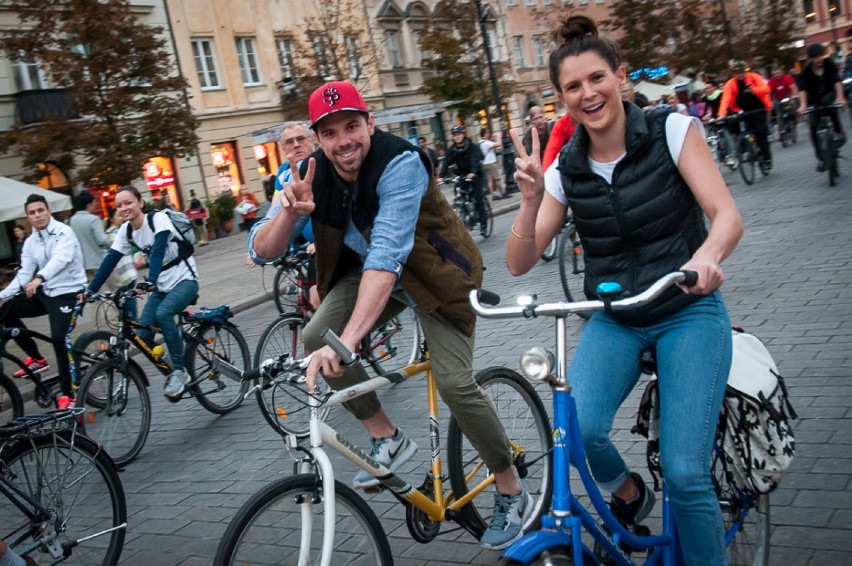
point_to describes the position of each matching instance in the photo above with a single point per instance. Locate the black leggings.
(59, 309)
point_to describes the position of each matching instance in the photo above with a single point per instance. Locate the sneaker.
(35, 365)
(66, 402)
(631, 514)
(507, 521)
(820, 167)
(391, 453)
(176, 385)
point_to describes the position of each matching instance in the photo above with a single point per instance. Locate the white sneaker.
(176, 385)
(507, 521)
(389, 452)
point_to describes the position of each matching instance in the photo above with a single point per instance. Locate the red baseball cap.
(334, 97)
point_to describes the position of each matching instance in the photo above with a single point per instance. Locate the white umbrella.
(13, 195)
(652, 90)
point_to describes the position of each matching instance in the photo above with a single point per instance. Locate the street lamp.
(508, 151)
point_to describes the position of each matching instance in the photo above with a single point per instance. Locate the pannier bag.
(754, 428)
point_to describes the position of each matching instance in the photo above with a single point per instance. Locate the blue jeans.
(161, 310)
(693, 350)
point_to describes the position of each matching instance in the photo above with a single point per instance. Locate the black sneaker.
(631, 514)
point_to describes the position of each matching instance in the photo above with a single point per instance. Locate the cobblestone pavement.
(790, 282)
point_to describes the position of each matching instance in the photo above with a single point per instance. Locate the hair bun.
(576, 27)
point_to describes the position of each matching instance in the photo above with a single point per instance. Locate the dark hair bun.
(576, 27)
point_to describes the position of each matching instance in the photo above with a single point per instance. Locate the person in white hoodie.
(51, 276)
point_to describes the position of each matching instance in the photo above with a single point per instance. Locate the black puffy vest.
(647, 223)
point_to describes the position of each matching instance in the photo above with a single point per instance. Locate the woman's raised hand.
(528, 173)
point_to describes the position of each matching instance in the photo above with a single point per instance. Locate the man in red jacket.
(748, 92)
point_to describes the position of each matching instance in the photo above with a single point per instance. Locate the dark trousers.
(59, 309)
(759, 126)
(476, 189)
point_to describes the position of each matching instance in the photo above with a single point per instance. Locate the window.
(353, 56)
(529, 2)
(518, 44)
(539, 52)
(321, 57)
(417, 49)
(493, 47)
(548, 2)
(28, 74)
(810, 12)
(599, 1)
(286, 53)
(248, 61)
(833, 8)
(394, 50)
(202, 51)
(511, 2)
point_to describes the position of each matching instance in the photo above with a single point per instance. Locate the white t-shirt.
(676, 127)
(488, 154)
(144, 239)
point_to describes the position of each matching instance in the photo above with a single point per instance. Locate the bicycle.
(827, 140)
(786, 122)
(465, 206)
(722, 145)
(335, 523)
(398, 340)
(285, 286)
(61, 498)
(114, 391)
(560, 540)
(45, 389)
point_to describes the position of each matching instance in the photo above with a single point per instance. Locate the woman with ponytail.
(639, 185)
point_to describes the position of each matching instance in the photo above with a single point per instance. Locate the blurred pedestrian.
(491, 165)
(538, 120)
(198, 223)
(433, 155)
(20, 236)
(89, 229)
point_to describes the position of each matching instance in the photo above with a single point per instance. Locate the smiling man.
(50, 277)
(387, 239)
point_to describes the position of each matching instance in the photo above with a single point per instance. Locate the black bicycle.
(748, 151)
(828, 140)
(465, 206)
(61, 499)
(786, 122)
(114, 391)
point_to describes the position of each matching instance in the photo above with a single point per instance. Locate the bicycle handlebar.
(561, 309)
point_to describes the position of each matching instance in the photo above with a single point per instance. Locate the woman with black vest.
(639, 185)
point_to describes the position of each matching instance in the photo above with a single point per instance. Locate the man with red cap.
(387, 239)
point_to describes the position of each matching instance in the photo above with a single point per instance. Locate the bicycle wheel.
(73, 477)
(216, 392)
(11, 403)
(272, 527)
(118, 409)
(550, 251)
(394, 345)
(283, 403)
(746, 518)
(747, 154)
(285, 291)
(89, 348)
(526, 423)
(572, 266)
(489, 219)
(727, 147)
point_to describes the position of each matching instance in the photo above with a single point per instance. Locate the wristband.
(518, 236)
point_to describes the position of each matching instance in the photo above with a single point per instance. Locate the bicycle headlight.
(537, 364)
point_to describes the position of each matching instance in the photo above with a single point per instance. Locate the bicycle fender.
(533, 544)
(135, 365)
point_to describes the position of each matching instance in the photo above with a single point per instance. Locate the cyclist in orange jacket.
(747, 91)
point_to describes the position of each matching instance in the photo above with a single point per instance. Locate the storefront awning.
(383, 117)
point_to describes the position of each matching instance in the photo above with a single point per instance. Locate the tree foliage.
(645, 27)
(123, 85)
(698, 34)
(767, 31)
(324, 53)
(457, 61)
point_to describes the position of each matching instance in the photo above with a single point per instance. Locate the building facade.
(829, 22)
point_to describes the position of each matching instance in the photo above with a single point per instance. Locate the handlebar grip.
(487, 297)
(347, 356)
(690, 278)
(251, 374)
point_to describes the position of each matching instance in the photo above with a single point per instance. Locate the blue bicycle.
(570, 527)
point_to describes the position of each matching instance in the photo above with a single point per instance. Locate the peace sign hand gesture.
(298, 193)
(528, 173)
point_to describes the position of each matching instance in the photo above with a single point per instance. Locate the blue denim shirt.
(284, 176)
(400, 190)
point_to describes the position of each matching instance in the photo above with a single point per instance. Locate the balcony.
(35, 106)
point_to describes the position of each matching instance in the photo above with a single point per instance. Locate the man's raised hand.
(298, 193)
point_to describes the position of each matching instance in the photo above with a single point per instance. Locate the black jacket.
(644, 225)
(467, 158)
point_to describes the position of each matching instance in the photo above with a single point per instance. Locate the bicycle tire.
(277, 511)
(74, 477)
(528, 427)
(216, 392)
(89, 348)
(489, 219)
(749, 535)
(572, 266)
(746, 152)
(121, 424)
(549, 253)
(393, 345)
(283, 405)
(11, 402)
(284, 289)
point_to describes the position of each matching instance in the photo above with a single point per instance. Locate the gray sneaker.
(176, 385)
(389, 452)
(507, 521)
